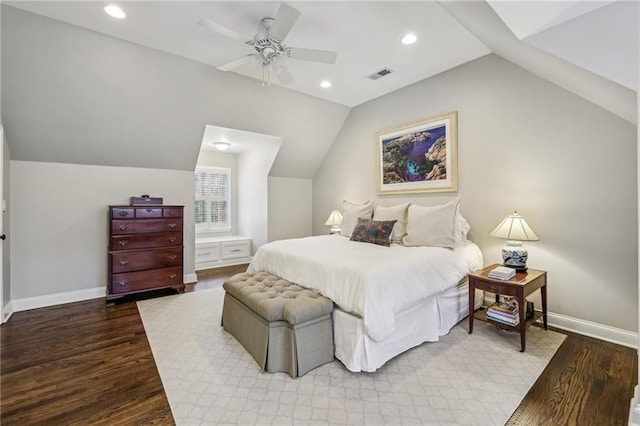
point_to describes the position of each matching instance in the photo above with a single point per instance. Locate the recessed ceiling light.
(115, 11)
(409, 38)
(221, 146)
(325, 84)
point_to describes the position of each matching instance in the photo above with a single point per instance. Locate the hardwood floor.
(83, 363)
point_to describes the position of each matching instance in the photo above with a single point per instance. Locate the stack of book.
(502, 273)
(503, 313)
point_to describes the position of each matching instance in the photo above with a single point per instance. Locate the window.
(212, 199)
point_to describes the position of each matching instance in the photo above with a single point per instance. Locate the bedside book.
(502, 273)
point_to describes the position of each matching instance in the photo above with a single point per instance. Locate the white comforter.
(372, 281)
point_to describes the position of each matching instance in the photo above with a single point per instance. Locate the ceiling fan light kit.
(268, 43)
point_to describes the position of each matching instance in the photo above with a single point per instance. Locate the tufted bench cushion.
(276, 299)
(284, 326)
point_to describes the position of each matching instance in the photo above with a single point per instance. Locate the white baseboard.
(634, 410)
(7, 311)
(57, 298)
(587, 328)
(190, 278)
(221, 263)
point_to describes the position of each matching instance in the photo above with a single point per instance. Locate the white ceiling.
(366, 36)
(598, 37)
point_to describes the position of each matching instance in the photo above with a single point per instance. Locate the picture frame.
(419, 157)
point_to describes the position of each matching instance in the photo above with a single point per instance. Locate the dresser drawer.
(148, 212)
(207, 253)
(172, 212)
(122, 213)
(145, 280)
(149, 259)
(235, 249)
(122, 227)
(138, 241)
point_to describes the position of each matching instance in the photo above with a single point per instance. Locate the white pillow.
(462, 228)
(350, 214)
(398, 213)
(432, 226)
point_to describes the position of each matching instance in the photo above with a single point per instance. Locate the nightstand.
(520, 286)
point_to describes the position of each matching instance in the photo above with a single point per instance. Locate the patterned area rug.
(464, 379)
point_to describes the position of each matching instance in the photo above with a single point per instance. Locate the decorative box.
(144, 200)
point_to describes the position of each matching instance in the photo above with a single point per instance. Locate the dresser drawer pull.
(149, 210)
(235, 250)
(172, 213)
(123, 227)
(123, 242)
(123, 213)
(172, 276)
(172, 257)
(172, 239)
(493, 289)
(172, 225)
(124, 262)
(204, 254)
(123, 283)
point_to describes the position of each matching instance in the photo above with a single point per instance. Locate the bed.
(387, 299)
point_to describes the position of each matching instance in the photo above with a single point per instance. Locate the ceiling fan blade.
(284, 75)
(235, 64)
(222, 30)
(324, 56)
(284, 21)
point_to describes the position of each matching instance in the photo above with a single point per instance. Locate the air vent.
(383, 72)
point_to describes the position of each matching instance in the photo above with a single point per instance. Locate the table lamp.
(334, 221)
(515, 229)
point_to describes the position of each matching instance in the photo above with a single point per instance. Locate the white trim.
(7, 311)
(592, 329)
(190, 278)
(587, 328)
(57, 298)
(634, 410)
(220, 263)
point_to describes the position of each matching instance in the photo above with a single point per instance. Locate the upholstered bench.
(284, 326)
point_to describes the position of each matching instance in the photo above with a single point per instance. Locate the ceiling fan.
(268, 44)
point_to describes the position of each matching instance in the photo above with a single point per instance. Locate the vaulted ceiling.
(79, 86)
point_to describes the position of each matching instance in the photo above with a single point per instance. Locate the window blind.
(212, 198)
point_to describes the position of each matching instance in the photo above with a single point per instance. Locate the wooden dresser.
(145, 249)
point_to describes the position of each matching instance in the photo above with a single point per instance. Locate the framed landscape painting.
(419, 157)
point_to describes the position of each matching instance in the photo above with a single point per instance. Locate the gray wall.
(290, 208)
(59, 226)
(568, 166)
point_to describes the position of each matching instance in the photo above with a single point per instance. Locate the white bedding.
(372, 281)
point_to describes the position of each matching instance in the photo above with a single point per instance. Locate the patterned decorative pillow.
(373, 231)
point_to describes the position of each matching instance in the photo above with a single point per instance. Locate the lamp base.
(334, 230)
(517, 268)
(515, 256)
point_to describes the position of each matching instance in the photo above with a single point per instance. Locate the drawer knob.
(493, 289)
(123, 213)
(123, 242)
(123, 227)
(172, 225)
(172, 257)
(172, 239)
(172, 276)
(123, 262)
(123, 283)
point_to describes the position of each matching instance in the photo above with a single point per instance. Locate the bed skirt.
(424, 321)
